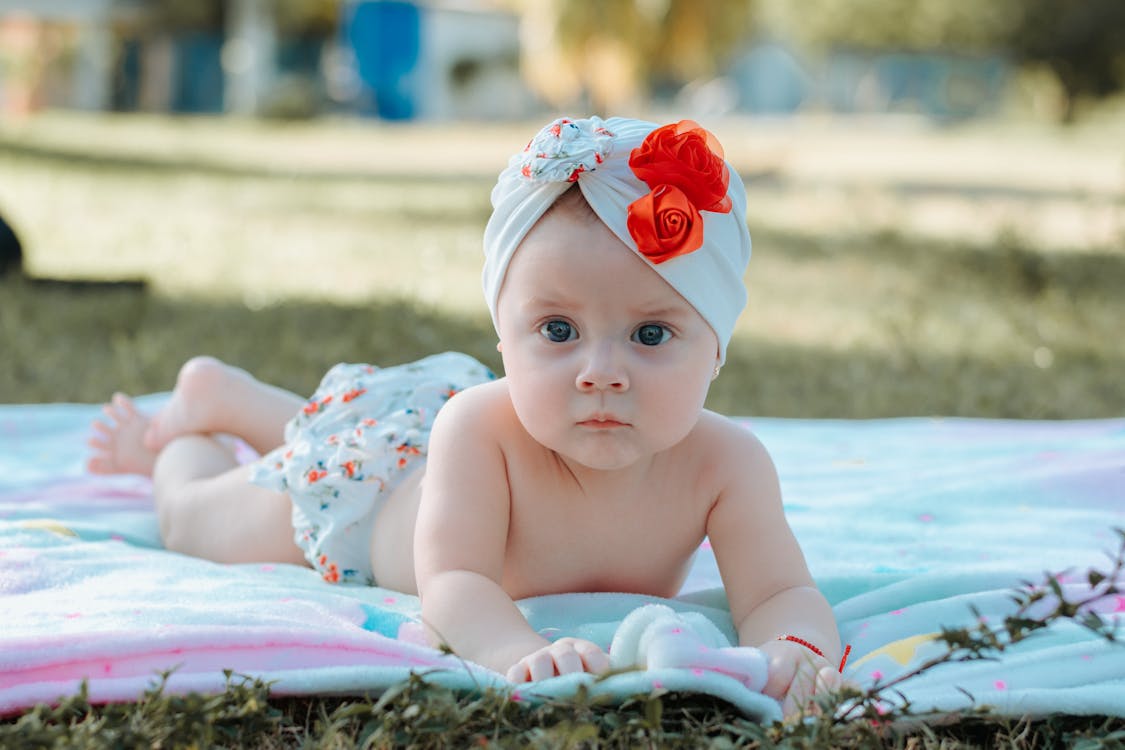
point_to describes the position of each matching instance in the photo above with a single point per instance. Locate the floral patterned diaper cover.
(361, 433)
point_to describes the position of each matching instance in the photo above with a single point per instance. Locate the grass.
(418, 714)
(883, 327)
(267, 246)
(879, 287)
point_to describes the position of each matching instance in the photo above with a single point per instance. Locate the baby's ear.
(499, 346)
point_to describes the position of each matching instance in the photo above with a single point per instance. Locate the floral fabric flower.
(565, 149)
(683, 166)
(664, 223)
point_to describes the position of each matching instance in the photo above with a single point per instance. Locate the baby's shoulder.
(718, 430)
(482, 407)
(730, 445)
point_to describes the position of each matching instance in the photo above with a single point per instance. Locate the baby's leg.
(209, 397)
(213, 397)
(207, 507)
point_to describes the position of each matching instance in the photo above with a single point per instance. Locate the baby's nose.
(602, 372)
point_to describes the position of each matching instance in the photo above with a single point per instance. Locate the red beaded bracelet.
(815, 650)
(803, 642)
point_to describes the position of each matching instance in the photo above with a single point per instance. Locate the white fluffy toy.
(655, 636)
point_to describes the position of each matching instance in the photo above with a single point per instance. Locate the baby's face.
(606, 363)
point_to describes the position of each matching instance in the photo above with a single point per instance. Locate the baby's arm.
(459, 547)
(767, 581)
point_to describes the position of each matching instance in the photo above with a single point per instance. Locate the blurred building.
(59, 52)
(769, 78)
(395, 59)
(421, 60)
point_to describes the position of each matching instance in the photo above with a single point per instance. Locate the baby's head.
(666, 193)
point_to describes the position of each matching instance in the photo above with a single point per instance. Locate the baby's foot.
(118, 445)
(200, 380)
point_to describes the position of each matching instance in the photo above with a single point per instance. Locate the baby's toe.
(99, 465)
(152, 438)
(124, 407)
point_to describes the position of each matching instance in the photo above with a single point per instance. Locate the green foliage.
(159, 719)
(307, 17)
(1082, 43)
(189, 15)
(915, 25)
(677, 40)
(294, 17)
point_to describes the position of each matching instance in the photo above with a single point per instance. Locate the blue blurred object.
(198, 85)
(386, 38)
(770, 80)
(773, 79)
(940, 86)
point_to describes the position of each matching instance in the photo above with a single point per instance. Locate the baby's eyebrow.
(655, 310)
(539, 302)
(664, 311)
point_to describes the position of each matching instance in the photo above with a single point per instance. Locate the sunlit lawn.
(873, 292)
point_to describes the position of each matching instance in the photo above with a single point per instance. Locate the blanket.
(907, 526)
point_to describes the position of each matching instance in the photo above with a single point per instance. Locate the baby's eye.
(558, 331)
(652, 334)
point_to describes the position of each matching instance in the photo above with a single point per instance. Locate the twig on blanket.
(984, 642)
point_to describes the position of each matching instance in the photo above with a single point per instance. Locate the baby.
(613, 272)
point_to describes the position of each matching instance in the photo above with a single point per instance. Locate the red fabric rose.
(665, 224)
(685, 155)
(683, 166)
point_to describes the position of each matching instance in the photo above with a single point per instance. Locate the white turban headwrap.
(595, 154)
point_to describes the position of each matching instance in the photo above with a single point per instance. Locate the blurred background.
(936, 187)
(503, 59)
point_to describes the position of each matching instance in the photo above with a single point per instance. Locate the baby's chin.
(607, 453)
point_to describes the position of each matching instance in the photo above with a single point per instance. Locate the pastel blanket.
(905, 523)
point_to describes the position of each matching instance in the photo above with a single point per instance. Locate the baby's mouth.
(603, 422)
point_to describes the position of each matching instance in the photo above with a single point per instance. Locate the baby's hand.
(564, 656)
(796, 675)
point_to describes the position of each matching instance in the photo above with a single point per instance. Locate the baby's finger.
(595, 660)
(780, 679)
(827, 680)
(518, 672)
(567, 659)
(540, 665)
(794, 697)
